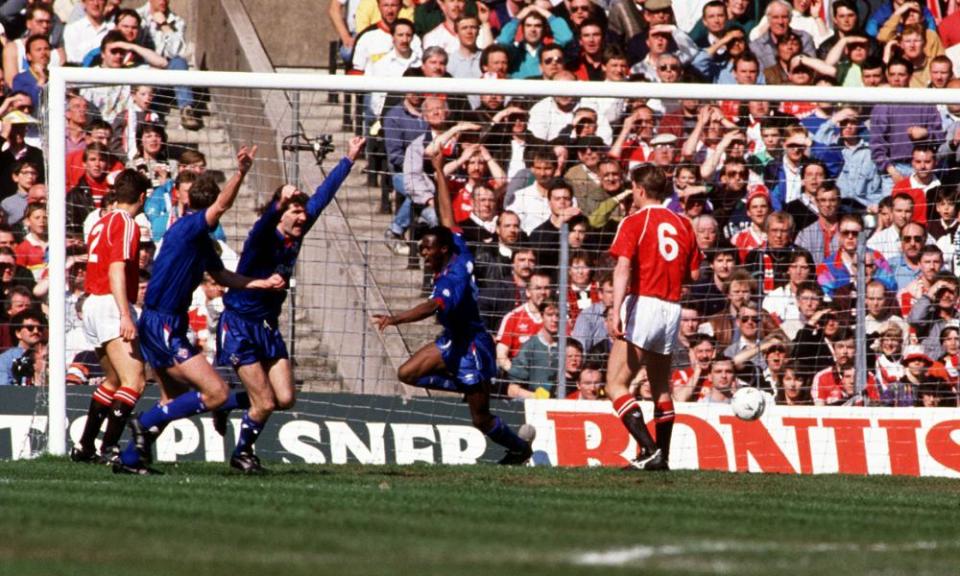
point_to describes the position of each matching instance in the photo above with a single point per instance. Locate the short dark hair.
(128, 12)
(404, 22)
(35, 38)
(898, 61)
(443, 235)
(204, 191)
(129, 185)
(27, 314)
(652, 179)
(111, 37)
(485, 55)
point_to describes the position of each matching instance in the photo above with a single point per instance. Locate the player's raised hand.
(382, 321)
(354, 147)
(245, 158)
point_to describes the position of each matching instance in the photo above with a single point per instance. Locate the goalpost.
(360, 260)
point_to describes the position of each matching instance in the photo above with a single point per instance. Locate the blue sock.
(504, 436)
(129, 454)
(436, 382)
(249, 431)
(234, 401)
(183, 406)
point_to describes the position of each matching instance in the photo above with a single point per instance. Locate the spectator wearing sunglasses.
(28, 330)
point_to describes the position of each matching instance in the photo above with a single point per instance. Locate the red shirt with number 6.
(662, 249)
(115, 238)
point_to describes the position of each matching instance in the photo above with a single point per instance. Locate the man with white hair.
(778, 19)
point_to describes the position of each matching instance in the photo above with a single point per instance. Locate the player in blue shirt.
(248, 334)
(463, 358)
(186, 253)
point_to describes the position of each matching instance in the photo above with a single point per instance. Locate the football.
(748, 403)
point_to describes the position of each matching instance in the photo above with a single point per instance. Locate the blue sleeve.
(879, 138)
(562, 34)
(508, 33)
(325, 192)
(213, 261)
(392, 136)
(265, 224)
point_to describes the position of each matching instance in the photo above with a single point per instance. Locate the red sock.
(103, 395)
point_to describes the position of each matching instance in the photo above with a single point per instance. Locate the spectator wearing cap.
(891, 142)
(663, 152)
(757, 208)
(535, 24)
(765, 40)
(904, 391)
(15, 125)
(838, 272)
(933, 312)
(858, 178)
(821, 238)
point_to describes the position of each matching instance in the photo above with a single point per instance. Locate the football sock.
(183, 406)
(504, 436)
(234, 401)
(96, 413)
(249, 431)
(436, 382)
(629, 413)
(663, 417)
(124, 401)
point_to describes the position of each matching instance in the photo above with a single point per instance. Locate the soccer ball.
(748, 403)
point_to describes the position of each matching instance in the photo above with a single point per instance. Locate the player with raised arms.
(248, 334)
(463, 358)
(656, 253)
(110, 320)
(187, 252)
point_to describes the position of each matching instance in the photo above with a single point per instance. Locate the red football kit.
(114, 238)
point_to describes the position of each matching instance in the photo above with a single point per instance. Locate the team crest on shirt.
(234, 359)
(183, 353)
(446, 293)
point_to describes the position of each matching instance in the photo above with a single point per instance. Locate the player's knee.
(286, 403)
(216, 398)
(407, 374)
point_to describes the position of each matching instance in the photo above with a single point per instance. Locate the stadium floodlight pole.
(60, 77)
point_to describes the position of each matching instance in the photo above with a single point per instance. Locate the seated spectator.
(590, 326)
(692, 383)
(87, 195)
(632, 145)
(545, 238)
(839, 270)
(96, 131)
(689, 326)
(761, 365)
(887, 365)
(815, 343)
(151, 157)
(903, 392)
(480, 225)
(495, 260)
(549, 116)
(402, 124)
(723, 383)
(501, 295)
(33, 80)
(931, 263)
(768, 264)
(934, 311)
(39, 22)
(573, 354)
(834, 385)
(25, 176)
(533, 371)
(535, 25)
(943, 225)
(126, 126)
(858, 178)
(522, 322)
(77, 116)
(794, 390)
(372, 42)
(464, 58)
(921, 182)
(888, 240)
(765, 39)
(85, 34)
(18, 363)
(14, 135)
(589, 384)
(401, 57)
(906, 264)
(582, 291)
(531, 203)
(947, 367)
(747, 334)
(708, 293)
(32, 251)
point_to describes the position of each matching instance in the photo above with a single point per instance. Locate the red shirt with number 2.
(662, 249)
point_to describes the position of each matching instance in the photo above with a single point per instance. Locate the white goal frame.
(61, 77)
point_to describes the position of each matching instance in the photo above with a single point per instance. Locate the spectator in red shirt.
(523, 321)
(589, 384)
(33, 250)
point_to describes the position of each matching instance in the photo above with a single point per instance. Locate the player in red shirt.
(109, 318)
(656, 252)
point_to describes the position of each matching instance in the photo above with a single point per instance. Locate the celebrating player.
(656, 253)
(109, 319)
(187, 252)
(248, 334)
(463, 358)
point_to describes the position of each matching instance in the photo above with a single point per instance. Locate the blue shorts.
(241, 342)
(472, 362)
(163, 338)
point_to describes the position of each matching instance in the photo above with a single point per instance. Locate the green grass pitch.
(199, 519)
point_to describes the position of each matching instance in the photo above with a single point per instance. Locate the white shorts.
(101, 319)
(650, 323)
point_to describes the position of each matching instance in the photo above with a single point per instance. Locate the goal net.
(796, 194)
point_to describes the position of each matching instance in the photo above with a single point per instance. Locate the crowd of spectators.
(108, 129)
(780, 193)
